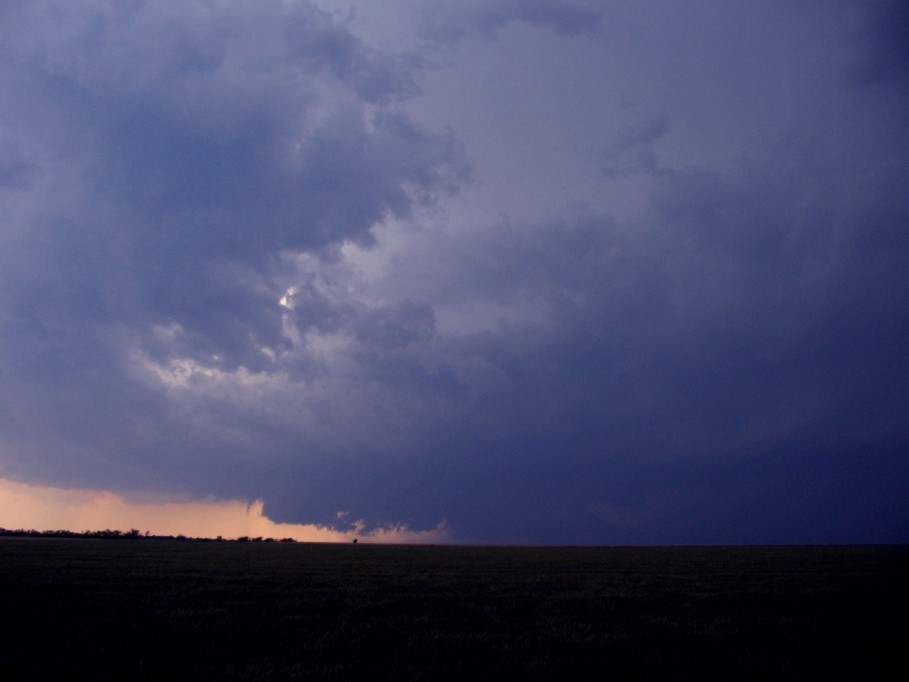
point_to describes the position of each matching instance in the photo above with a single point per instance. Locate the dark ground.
(163, 609)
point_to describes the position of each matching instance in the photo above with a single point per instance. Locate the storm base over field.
(557, 271)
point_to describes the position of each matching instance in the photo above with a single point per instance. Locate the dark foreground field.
(159, 609)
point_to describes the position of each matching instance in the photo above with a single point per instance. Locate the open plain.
(166, 609)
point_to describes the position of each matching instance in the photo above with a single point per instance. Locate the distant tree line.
(132, 534)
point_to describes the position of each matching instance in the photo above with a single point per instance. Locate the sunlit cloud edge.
(45, 508)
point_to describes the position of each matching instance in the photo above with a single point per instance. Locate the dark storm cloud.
(229, 267)
(197, 138)
(157, 160)
(714, 360)
(740, 350)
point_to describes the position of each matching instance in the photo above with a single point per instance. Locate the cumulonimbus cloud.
(231, 265)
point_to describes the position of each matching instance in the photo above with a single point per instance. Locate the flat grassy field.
(164, 609)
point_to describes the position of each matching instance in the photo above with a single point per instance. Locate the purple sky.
(547, 271)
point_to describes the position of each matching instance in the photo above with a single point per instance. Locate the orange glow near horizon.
(43, 508)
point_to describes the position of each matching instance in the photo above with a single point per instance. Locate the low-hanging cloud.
(41, 508)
